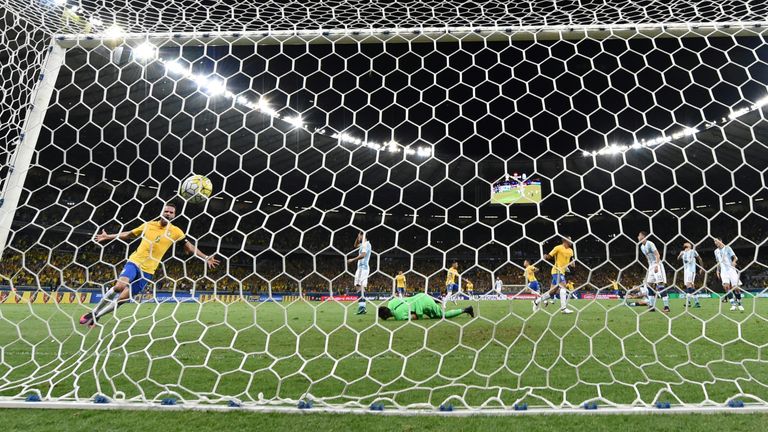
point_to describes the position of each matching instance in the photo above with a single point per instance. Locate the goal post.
(311, 136)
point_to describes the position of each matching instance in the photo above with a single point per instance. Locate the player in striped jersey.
(498, 286)
(400, 284)
(452, 283)
(656, 275)
(727, 272)
(562, 255)
(363, 270)
(690, 257)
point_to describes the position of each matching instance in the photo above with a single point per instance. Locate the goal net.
(475, 134)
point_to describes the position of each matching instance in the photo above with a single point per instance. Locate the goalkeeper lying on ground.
(419, 306)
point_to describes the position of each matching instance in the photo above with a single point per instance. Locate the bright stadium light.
(60, 2)
(113, 32)
(95, 21)
(175, 67)
(295, 121)
(145, 52)
(214, 87)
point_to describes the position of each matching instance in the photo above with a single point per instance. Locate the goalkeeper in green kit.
(420, 306)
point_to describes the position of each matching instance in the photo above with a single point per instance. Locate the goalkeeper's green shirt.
(421, 304)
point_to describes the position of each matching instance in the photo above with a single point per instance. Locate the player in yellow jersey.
(469, 288)
(452, 283)
(157, 237)
(562, 255)
(531, 283)
(400, 284)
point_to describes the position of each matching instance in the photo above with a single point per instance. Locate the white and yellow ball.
(196, 189)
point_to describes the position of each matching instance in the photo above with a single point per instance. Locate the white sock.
(105, 300)
(651, 301)
(542, 298)
(563, 298)
(665, 299)
(105, 310)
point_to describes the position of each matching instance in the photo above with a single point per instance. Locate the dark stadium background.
(119, 137)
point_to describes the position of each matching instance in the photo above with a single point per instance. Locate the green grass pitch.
(531, 195)
(264, 351)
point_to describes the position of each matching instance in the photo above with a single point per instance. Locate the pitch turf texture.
(269, 351)
(77, 420)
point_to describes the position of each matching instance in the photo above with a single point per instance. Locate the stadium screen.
(516, 190)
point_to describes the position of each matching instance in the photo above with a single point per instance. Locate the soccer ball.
(196, 189)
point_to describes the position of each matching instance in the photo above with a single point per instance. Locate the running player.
(531, 283)
(452, 283)
(419, 306)
(157, 236)
(690, 257)
(562, 255)
(656, 275)
(727, 273)
(363, 270)
(400, 284)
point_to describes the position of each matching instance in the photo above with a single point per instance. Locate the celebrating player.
(562, 255)
(157, 237)
(531, 283)
(656, 275)
(727, 273)
(452, 283)
(419, 306)
(690, 257)
(400, 283)
(361, 275)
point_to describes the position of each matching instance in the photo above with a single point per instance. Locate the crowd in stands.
(28, 263)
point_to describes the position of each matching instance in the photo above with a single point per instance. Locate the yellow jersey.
(155, 242)
(450, 279)
(400, 281)
(530, 273)
(469, 286)
(569, 286)
(562, 257)
(615, 285)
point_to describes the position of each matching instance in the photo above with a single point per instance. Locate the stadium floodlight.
(295, 121)
(214, 87)
(114, 32)
(176, 67)
(144, 52)
(60, 2)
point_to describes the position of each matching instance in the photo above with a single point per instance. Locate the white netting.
(401, 134)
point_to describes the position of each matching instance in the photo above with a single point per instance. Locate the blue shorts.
(690, 290)
(452, 287)
(534, 285)
(136, 278)
(400, 290)
(558, 279)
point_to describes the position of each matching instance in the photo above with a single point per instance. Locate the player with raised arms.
(363, 270)
(157, 236)
(562, 255)
(452, 283)
(419, 306)
(727, 273)
(400, 284)
(690, 257)
(656, 275)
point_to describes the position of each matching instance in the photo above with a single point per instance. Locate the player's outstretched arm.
(701, 264)
(103, 236)
(357, 258)
(210, 260)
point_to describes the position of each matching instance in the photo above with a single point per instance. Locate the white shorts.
(644, 291)
(658, 277)
(730, 276)
(361, 277)
(689, 277)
